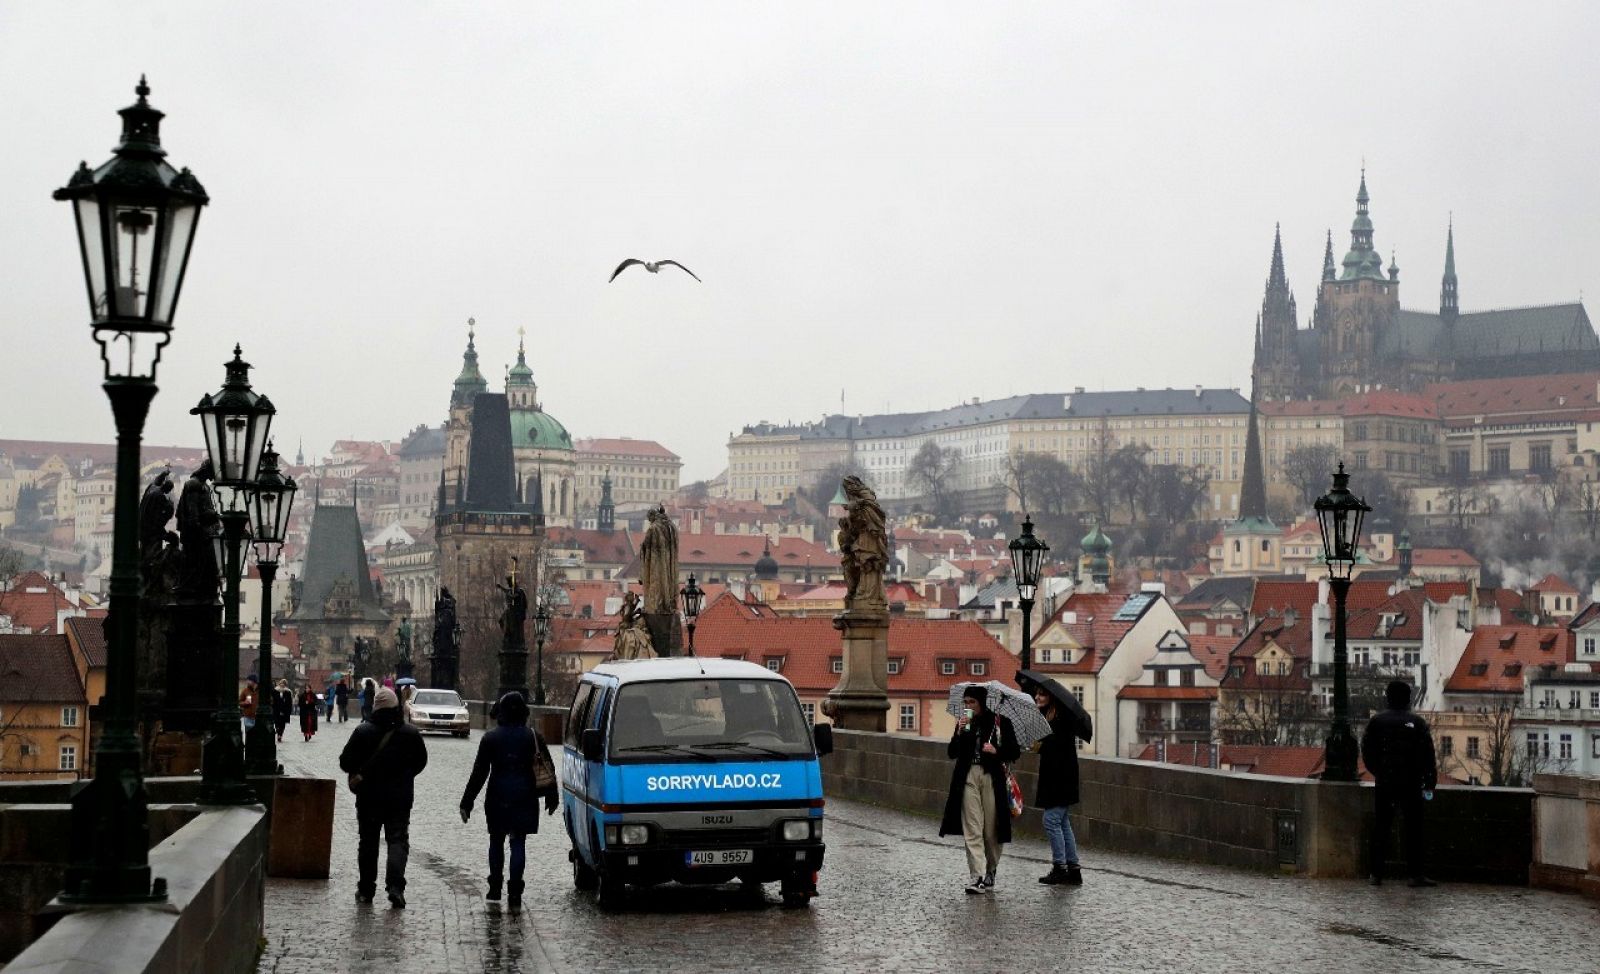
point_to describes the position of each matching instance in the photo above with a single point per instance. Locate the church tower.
(607, 521)
(1355, 312)
(458, 431)
(1250, 543)
(1276, 373)
(1449, 302)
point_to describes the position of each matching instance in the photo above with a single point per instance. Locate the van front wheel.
(583, 877)
(610, 892)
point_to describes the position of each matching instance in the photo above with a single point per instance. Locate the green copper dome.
(1096, 542)
(537, 428)
(470, 382)
(520, 374)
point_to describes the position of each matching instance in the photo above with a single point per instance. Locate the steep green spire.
(470, 382)
(1362, 261)
(520, 374)
(1329, 272)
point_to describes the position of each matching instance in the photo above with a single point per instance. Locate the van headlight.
(796, 830)
(635, 834)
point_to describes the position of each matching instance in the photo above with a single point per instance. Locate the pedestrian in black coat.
(309, 705)
(979, 804)
(505, 760)
(1058, 789)
(1398, 750)
(341, 696)
(282, 707)
(385, 755)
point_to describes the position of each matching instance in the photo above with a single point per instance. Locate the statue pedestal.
(443, 670)
(861, 700)
(666, 635)
(513, 669)
(194, 650)
(404, 668)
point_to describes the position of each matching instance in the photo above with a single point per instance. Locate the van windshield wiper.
(724, 745)
(656, 747)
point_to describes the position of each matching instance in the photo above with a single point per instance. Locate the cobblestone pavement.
(891, 900)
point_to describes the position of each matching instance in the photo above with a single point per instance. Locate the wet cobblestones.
(891, 900)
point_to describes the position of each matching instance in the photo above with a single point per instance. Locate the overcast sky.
(912, 203)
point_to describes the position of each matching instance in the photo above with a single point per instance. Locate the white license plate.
(719, 857)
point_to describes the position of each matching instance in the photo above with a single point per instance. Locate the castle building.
(1360, 339)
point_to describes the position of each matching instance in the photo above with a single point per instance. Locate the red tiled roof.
(835, 591)
(90, 635)
(624, 446)
(1212, 652)
(729, 628)
(1497, 657)
(1405, 610)
(1517, 396)
(742, 550)
(1136, 692)
(1508, 601)
(1443, 558)
(1293, 761)
(1442, 592)
(1585, 615)
(599, 547)
(1383, 402)
(38, 669)
(1553, 583)
(32, 609)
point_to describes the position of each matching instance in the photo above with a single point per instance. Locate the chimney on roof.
(1290, 617)
(1197, 391)
(1077, 390)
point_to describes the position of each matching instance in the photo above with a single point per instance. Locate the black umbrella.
(1082, 723)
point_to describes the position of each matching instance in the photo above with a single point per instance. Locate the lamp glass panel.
(235, 434)
(181, 218)
(133, 240)
(267, 502)
(87, 209)
(255, 443)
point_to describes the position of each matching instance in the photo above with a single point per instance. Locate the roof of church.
(537, 428)
(1546, 329)
(491, 469)
(335, 552)
(427, 441)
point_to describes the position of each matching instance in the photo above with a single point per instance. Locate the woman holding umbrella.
(309, 706)
(1058, 785)
(979, 804)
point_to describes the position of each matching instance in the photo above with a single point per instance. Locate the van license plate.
(719, 857)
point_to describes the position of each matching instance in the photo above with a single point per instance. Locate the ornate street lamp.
(236, 421)
(136, 216)
(1027, 558)
(541, 632)
(1339, 514)
(692, 596)
(269, 516)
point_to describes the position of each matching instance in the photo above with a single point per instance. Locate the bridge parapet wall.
(1218, 817)
(1567, 833)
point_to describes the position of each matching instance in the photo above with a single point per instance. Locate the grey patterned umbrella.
(1010, 703)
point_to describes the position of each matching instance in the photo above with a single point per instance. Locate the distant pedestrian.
(383, 758)
(1398, 749)
(327, 701)
(341, 694)
(249, 698)
(406, 693)
(1058, 790)
(282, 707)
(368, 691)
(309, 705)
(979, 805)
(508, 756)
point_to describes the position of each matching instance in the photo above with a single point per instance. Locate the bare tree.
(1307, 469)
(1040, 482)
(931, 471)
(11, 563)
(1270, 709)
(1130, 475)
(1505, 761)
(1097, 476)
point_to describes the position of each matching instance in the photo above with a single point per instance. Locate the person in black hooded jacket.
(1398, 749)
(506, 761)
(384, 755)
(1058, 789)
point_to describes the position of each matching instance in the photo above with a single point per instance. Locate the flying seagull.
(653, 267)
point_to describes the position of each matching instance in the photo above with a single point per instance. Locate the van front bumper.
(649, 864)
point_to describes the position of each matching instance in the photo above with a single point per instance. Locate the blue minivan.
(694, 771)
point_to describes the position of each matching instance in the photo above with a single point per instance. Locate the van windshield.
(741, 718)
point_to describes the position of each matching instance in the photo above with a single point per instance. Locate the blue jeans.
(1063, 845)
(497, 854)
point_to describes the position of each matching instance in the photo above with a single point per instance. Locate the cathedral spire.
(607, 519)
(1276, 277)
(1253, 492)
(1449, 306)
(1362, 261)
(1329, 272)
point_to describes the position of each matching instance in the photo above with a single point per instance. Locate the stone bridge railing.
(1567, 851)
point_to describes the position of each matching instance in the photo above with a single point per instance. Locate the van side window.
(600, 707)
(578, 717)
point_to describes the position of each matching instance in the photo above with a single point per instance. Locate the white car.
(441, 710)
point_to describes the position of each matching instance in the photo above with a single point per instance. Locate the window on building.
(1533, 744)
(1538, 456)
(1460, 461)
(1358, 431)
(69, 757)
(1447, 746)
(1186, 678)
(908, 716)
(837, 664)
(1077, 691)
(775, 663)
(1499, 459)
(1158, 677)
(894, 667)
(1594, 699)
(69, 716)
(977, 667)
(1472, 747)
(1361, 459)
(1044, 654)
(810, 710)
(1594, 745)
(1565, 745)
(947, 667)
(1589, 647)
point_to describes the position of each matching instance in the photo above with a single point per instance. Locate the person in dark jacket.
(1398, 749)
(309, 705)
(282, 707)
(1058, 789)
(384, 755)
(341, 695)
(506, 761)
(979, 806)
(369, 692)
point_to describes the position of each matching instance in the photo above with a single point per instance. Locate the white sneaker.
(976, 887)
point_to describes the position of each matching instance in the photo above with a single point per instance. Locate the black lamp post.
(1339, 514)
(693, 596)
(136, 216)
(1027, 558)
(236, 421)
(269, 512)
(541, 632)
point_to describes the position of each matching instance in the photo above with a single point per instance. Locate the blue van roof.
(683, 668)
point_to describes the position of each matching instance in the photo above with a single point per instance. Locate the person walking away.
(406, 693)
(506, 760)
(282, 707)
(327, 701)
(1398, 750)
(979, 806)
(341, 694)
(368, 691)
(1058, 790)
(248, 698)
(309, 705)
(383, 758)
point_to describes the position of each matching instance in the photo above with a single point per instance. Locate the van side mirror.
(823, 735)
(592, 744)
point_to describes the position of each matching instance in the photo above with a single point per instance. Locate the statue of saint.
(403, 638)
(863, 547)
(658, 556)
(444, 621)
(198, 523)
(632, 640)
(158, 547)
(515, 613)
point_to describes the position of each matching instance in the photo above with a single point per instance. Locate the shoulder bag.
(544, 772)
(1013, 790)
(354, 781)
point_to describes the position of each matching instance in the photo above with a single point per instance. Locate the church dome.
(1096, 542)
(538, 429)
(766, 565)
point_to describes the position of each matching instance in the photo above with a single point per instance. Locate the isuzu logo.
(716, 820)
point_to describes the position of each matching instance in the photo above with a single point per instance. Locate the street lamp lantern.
(270, 504)
(136, 217)
(1027, 559)
(693, 597)
(1339, 515)
(541, 632)
(231, 555)
(236, 421)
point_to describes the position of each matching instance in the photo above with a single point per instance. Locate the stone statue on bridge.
(632, 640)
(444, 621)
(863, 548)
(198, 523)
(658, 559)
